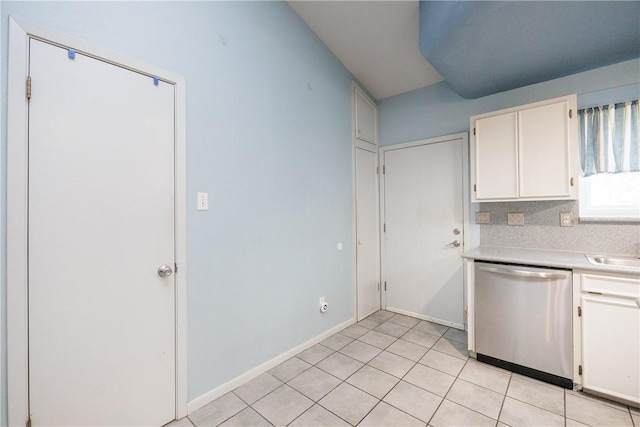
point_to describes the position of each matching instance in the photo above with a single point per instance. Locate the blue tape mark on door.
(156, 81)
(72, 53)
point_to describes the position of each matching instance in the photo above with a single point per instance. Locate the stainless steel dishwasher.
(523, 320)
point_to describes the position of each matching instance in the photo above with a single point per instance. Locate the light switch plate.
(566, 219)
(483, 217)
(203, 201)
(515, 218)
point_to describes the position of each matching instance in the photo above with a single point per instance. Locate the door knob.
(165, 271)
(455, 243)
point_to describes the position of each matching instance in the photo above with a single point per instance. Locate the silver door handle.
(523, 273)
(455, 243)
(165, 271)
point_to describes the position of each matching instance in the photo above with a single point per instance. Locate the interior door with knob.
(423, 215)
(367, 240)
(101, 243)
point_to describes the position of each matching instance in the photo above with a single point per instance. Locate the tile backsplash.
(542, 229)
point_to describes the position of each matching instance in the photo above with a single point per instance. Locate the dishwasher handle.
(524, 273)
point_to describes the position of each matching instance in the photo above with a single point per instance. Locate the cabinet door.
(611, 346)
(544, 155)
(366, 119)
(496, 157)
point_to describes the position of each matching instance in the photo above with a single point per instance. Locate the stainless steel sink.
(615, 261)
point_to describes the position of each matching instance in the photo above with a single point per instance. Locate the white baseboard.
(430, 319)
(225, 388)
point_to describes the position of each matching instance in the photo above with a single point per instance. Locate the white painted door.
(101, 222)
(422, 208)
(367, 242)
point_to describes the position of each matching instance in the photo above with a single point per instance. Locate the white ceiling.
(376, 40)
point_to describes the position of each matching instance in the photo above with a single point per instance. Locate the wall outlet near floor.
(515, 218)
(483, 217)
(323, 305)
(566, 219)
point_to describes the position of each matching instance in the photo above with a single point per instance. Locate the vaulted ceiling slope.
(486, 47)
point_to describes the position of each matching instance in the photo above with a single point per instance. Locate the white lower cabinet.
(608, 342)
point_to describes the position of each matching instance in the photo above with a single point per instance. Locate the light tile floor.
(394, 370)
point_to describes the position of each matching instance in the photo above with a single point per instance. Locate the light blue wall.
(269, 138)
(437, 110)
(3, 233)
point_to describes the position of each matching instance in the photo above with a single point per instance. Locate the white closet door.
(101, 222)
(367, 242)
(423, 208)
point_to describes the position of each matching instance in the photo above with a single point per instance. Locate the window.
(610, 158)
(609, 196)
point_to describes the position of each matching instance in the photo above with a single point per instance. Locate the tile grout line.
(400, 379)
(443, 398)
(407, 373)
(317, 402)
(470, 409)
(342, 381)
(564, 399)
(504, 398)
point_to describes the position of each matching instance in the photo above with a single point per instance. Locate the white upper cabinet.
(526, 153)
(366, 117)
(496, 157)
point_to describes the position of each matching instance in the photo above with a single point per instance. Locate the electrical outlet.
(203, 201)
(566, 219)
(515, 218)
(323, 305)
(483, 218)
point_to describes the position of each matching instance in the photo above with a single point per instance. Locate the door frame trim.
(20, 32)
(373, 148)
(469, 231)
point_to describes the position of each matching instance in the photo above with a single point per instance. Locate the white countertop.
(541, 257)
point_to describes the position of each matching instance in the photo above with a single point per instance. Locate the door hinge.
(384, 227)
(29, 87)
(29, 421)
(474, 131)
(385, 286)
(579, 369)
(571, 181)
(475, 188)
(175, 268)
(579, 311)
(377, 170)
(384, 169)
(570, 113)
